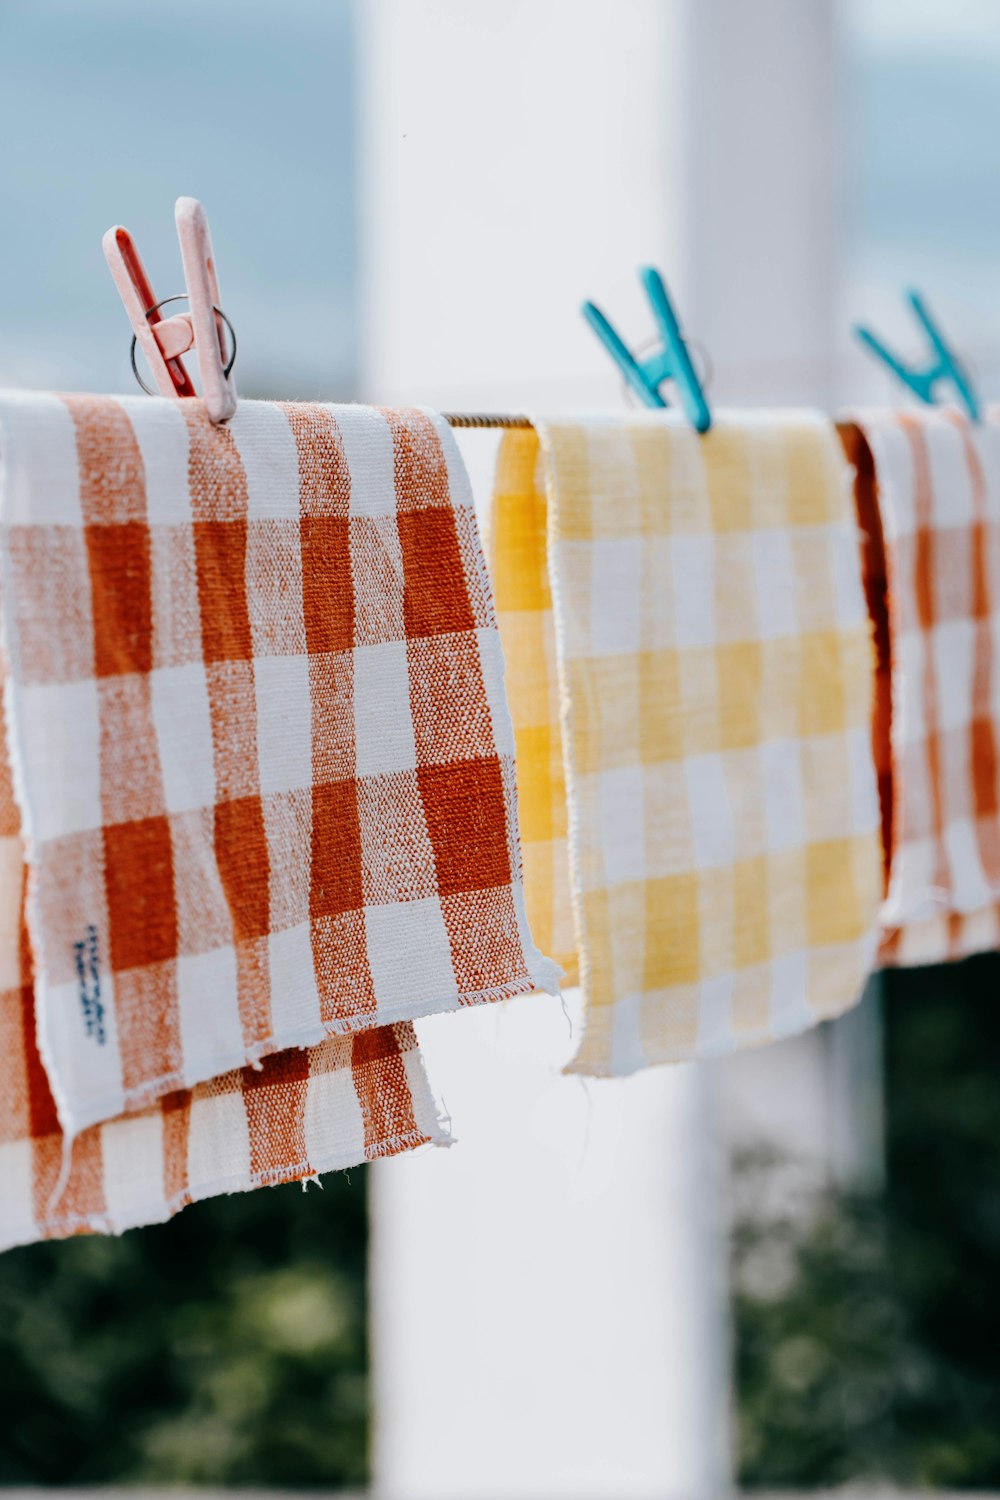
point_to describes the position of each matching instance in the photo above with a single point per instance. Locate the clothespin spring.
(163, 330)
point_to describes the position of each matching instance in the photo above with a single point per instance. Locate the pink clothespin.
(164, 339)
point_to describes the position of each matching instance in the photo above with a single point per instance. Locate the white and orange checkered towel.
(260, 742)
(301, 1112)
(928, 494)
(691, 675)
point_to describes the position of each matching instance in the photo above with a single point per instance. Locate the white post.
(547, 1298)
(545, 1317)
(516, 158)
(543, 1295)
(764, 213)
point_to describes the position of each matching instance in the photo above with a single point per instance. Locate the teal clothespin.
(945, 367)
(672, 362)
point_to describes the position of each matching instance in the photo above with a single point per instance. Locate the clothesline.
(516, 421)
(485, 419)
(287, 762)
(279, 797)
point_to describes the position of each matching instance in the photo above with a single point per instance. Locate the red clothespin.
(164, 339)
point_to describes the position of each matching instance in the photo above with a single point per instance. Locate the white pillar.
(543, 1298)
(764, 292)
(544, 1320)
(516, 159)
(764, 210)
(547, 1298)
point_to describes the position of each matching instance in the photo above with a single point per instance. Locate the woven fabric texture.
(927, 490)
(347, 1100)
(527, 627)
(714, 667)
(259, 733)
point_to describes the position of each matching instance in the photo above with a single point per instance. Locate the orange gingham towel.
(261, 747)
(928, 494)
(348, 1100)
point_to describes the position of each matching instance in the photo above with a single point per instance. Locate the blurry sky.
(922, 179)
(109, 110)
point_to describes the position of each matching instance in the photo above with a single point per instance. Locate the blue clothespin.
(673, 362)
(945, 366)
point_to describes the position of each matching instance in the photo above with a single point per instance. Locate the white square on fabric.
(183, 723)
(894, 461)
(953, 643)
(416, 1081)
(218, 1144)
(774, 575)
(85, 1064)
(164, 442)
(616, 603)
(613, 481)
(994, 649)
(295, 1008)
(132, 1154)
(865, 811)
(715, 1008)
(627, 1054)
(914, 891)
(11, 876)
(41, 474)
(848, 590)
(491, 662)
(208, 1005)
(692, 568)
(622, 824)
(60, 749)
(790, 1012)
(909, 726)
(985, 440)
(371, 460)
(950, 478)
(17, 1192)
(711, 811)
(784, 808)
(410, 957)
(334, 1124)
(970, 890)
(266, 445)
(460, 487)
(658, 628)
(284, 722)
(383, 717)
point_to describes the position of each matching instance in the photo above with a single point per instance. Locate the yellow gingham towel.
(696, 690)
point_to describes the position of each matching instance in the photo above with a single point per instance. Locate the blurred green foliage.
(227, 1347)
(868, 1332)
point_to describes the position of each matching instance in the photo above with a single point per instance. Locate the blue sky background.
(921, 183)
(109, 110)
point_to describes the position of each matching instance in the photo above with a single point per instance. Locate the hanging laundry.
(928, 496)
(261, 747)
(345, 1101)
(714, 667)
(519, 566)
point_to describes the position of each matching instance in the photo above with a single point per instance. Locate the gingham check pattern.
(527, 628)
(347, 1100)
(715, 680)
(260, 738)
(928, 494)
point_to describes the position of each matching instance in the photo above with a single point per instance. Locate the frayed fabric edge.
(225, 1186)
